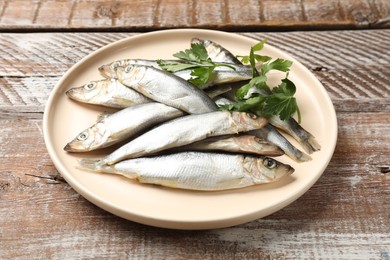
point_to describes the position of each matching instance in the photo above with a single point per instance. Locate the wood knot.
(108, 11)
(4, 186)
(384, 169)
(364, 19)
(321, 69)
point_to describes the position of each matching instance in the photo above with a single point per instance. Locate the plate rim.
(170, 223)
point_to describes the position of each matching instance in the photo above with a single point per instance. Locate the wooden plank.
(350, 64)
(48, 219)
(281, 11)
(234, 15)
(18, 13)
(343, 216)
(61, 9)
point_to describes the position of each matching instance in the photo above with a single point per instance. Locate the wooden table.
(345, 215)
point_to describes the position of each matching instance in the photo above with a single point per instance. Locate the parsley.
(197, 59)
(278, 64)
(173, 66)
(197, 53)
(267, 102)
(282, 101)
(253, 58)
(253, 105)
(259, 82)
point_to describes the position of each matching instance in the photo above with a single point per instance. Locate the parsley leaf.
(265, 101)
(259, 82)
(278, 64)
(201, 75)
(174, 66)
(197, 60)
(282, 101)
(253, 105)
(197, 53)
(253, 58)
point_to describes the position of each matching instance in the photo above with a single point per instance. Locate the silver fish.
(271, 135)
(122, 125)
(216, 52)
(291, 127)
(222, 74)
(185, 130)
(108, 70)
(198, 171)
(166, 88)
(112, 93)
(234, 144)
(108, 93)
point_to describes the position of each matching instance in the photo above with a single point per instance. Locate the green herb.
(195, 58)
(173, 66)
(253, 105)
(265, 101)
(197, 53)
(258, 81)
(282, 101)
(278, 64)
(253, 58)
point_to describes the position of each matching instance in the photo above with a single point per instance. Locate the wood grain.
(336, 58)
(345, 215)
(161, 14)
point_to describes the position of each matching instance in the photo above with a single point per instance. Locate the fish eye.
(116, 64)
(90, 85)
(128, 68)
(82, 136)
(269, 163)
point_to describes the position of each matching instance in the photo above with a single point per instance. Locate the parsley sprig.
(266, 101)
(197, 59)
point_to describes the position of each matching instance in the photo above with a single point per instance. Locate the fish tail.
(313, 144)
(297, 155)
(309, 144)
(306, 139)
(304, 158)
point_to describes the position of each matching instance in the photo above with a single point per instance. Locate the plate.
(173, 208)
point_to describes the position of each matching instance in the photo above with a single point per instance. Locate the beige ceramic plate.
(180, 209)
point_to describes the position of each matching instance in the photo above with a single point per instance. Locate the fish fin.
(89, 164)
(231, 183)
(121, 102)
(103, 115)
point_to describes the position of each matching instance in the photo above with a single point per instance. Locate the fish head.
(108, 70)
(267, 169)
(89, 92)
(249, 120)
(130, 75)
(85, 141)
